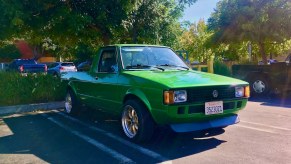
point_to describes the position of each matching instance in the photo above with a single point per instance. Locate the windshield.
(68, 64)
(148, 57)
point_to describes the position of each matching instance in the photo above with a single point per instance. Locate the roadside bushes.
(16, 89)
(221, 69)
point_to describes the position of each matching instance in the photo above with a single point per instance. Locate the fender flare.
(137, 93)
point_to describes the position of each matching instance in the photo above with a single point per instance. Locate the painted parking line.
(121, 158)
(119, 139)
(257, 129)
(270, 126)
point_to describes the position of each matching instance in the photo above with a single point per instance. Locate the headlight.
(242, 91)
(239, 91)
(171, 97)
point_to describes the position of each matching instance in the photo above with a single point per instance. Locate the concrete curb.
(31, 107)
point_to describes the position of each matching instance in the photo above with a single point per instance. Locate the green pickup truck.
(150, 86)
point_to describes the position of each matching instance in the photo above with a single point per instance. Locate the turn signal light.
(168, 97)
(247, 91)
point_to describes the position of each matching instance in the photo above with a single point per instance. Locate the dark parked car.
(59, 67)
(265, 79)
(27, 66)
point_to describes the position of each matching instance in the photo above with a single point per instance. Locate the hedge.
(16, 89)
(221, 69)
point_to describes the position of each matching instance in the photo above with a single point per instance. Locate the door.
(100, 91)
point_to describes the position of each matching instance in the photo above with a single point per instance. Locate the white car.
(59, 67)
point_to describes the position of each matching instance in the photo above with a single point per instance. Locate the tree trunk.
(106, 38)
(38, 52)
(263, 52)
(134, 35)
(134, 31)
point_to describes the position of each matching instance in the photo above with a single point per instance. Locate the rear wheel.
(260, 86)
(71, 104)
(137, 123)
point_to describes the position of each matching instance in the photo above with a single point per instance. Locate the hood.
(182, 79)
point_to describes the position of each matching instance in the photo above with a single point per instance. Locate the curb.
(31, 107)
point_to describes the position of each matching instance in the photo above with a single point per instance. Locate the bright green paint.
(110, 89)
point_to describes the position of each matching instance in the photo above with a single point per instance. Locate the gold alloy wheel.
(130, 121)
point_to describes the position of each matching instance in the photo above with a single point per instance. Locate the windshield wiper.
(169, 65)
(140, 66)
(158, 68)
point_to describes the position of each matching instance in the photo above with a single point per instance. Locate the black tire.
(260, 86)
(72, 106)
(143, 124)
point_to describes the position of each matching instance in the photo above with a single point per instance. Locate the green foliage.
(84, 53)
(232, 52)
(61, 26)
(195, 40)
(221, 68)
(9, 52)
(17, 89)
(262, 22)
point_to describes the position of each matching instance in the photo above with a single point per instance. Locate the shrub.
(16, 89)
(221, 69)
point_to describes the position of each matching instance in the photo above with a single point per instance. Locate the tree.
(195, 39)
(8, 52)
(62, 25)
(262, 22)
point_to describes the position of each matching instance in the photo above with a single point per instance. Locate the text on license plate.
(213, 107)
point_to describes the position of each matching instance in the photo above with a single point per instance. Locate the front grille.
(204, 94)
(239, 104)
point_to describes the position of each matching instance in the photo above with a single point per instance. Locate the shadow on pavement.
(179, 145)
(165, 142)
(276, 101)
(34, 134)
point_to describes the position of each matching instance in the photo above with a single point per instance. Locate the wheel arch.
(251, 75)
(137, 95)
(71, 87)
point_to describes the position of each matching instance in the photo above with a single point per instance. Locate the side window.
(52, 65)
(108, 62)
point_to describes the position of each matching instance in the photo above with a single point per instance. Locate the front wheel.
(260, 86)
(137, 123)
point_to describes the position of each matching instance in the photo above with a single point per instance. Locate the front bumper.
(188, 113)
(195, 126)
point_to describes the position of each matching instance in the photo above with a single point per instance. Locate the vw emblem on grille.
(215, 93)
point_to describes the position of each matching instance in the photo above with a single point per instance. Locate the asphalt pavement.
(262, 136)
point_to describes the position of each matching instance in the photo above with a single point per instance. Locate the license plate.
(213, 107)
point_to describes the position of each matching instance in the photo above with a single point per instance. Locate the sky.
(200, 9)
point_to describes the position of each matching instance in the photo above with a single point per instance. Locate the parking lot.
(262, 136)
